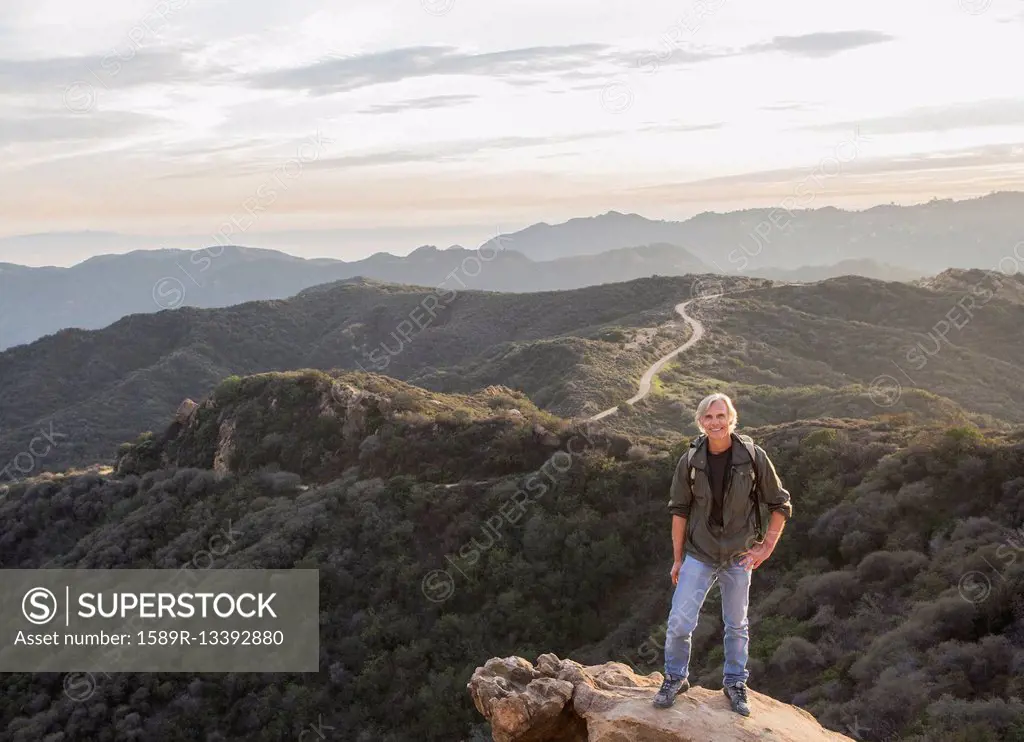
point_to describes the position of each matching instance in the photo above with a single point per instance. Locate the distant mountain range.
(893, 243)
(35, 302)
(924, 238)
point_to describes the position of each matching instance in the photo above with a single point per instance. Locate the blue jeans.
(695, 581)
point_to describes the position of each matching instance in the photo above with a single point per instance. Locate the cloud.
(683, 127)
(525, 66)
(985, 156)
(670, 54)
(874, 170)
(968, 115)
(452, 151)
(116, 69)
(50, 128)
(584, 75)
(787, 107)
(351, 73)
(416, 104)
(820, 44)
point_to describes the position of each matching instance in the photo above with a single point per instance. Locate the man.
(715, 517)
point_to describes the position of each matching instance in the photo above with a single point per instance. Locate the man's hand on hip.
(755, 557)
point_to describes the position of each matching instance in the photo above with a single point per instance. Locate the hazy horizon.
(438, 117)
(347, 245)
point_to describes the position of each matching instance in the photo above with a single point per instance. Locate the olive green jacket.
(718, 545)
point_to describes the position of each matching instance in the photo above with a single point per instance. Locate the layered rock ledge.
(564, 701)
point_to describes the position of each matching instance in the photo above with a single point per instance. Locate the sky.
(407, 122)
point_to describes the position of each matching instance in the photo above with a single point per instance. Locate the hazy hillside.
(850, 347)
(827, 349)
(884, 242)
(864, 267)
(587, 235)
(35, 302)
(925, 238)
(91, 295)
(889, 598)
(1007, 287)
(101, 387)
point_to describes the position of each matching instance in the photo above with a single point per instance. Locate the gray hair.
(705, 403)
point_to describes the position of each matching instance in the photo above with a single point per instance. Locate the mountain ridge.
(926, 237)
(474, 338)
(573, 353)
(103, 289)
(904, 242)
(120, 296)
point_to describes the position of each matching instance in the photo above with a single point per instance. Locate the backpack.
(755, 492)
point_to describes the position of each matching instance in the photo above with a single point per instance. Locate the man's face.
(716, 421)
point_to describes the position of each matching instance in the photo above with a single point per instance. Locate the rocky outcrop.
(185, 410)
(359, 406)
(379, 424)
(225, 449)
(564, 701)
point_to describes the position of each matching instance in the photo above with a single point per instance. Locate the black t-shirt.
(718, 465)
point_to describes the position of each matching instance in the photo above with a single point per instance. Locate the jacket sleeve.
(774, 495)
(680, 496)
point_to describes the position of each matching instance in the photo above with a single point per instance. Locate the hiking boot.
(670, 688)
(737, 695)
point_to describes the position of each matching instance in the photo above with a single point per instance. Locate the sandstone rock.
(495, 390)
(564, 701)
(357, 405)
(225, 448)
(185, 410)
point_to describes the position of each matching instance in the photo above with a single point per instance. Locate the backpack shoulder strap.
(748, 443)
(694, 445)
(755, 492)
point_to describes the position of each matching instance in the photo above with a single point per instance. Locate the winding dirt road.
(649, 374)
